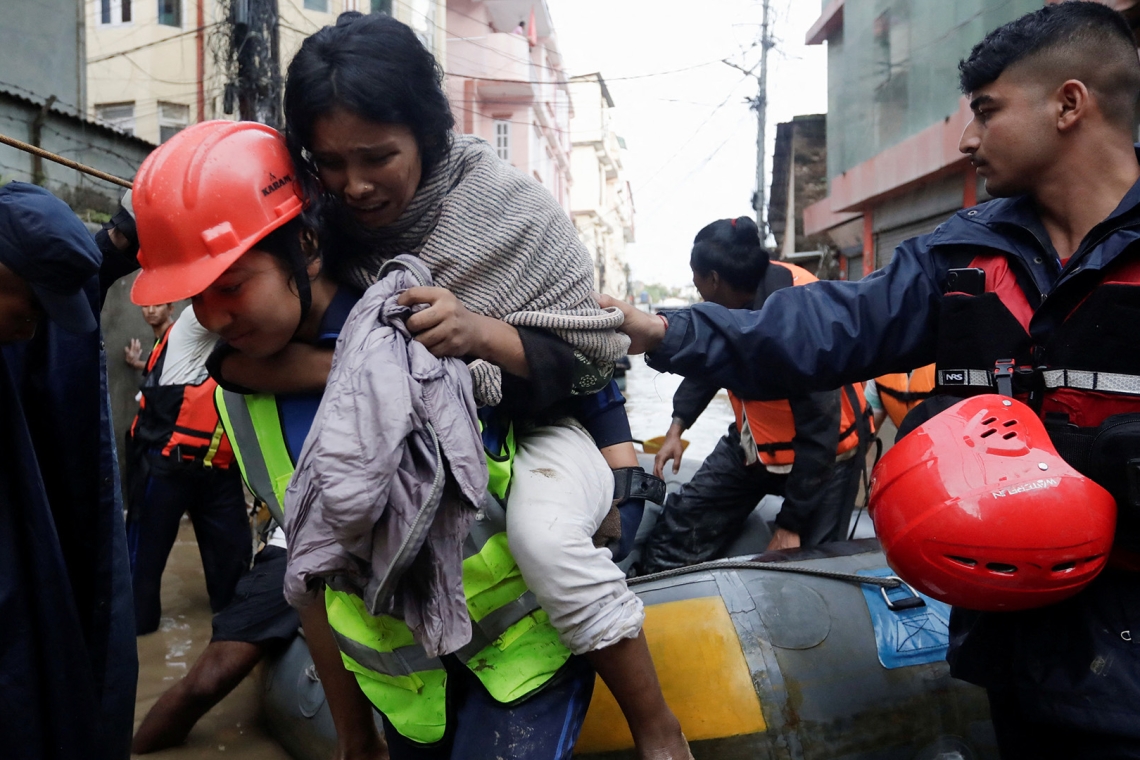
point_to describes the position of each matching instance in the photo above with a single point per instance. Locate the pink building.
(506, 85)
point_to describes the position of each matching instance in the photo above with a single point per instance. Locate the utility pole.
(254, 60)
(760, 106)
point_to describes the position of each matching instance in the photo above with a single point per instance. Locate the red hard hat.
(202, 199)
(975, 508)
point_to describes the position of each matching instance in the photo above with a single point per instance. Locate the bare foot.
(678, 749)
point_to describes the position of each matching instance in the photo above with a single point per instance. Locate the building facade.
(601, 201)
(895, 118)
(42, 97)
(799, 179)
(506, 84)
(157, 66)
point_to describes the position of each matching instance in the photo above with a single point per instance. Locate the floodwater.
(233, 728)
(649, 404)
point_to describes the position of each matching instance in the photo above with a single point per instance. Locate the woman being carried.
(370, 125)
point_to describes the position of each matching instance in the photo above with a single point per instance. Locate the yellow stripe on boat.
(703, 674)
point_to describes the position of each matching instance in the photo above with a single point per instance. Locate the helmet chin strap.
(304, 287)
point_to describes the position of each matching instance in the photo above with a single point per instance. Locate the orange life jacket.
(767, 427)
(900, 392)
(180, 420)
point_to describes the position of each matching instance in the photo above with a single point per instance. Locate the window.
(382, 6)
(317, 5)
(114, 12)
(121, 116)
(503, 139)
(172, 119)
(170, 12)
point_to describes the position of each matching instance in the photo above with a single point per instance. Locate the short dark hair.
(375, 67)
(1080, 40)
(730, 247)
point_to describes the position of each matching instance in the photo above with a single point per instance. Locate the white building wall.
(601, 202)
(153, 67)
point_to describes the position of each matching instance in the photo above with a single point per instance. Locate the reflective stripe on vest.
(514, 650)
(257, 455)
(1105, 382)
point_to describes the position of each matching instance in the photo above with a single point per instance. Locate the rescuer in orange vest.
(807, 449)
(182, 462)
(895, 394)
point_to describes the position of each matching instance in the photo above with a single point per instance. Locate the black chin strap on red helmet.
(304, 287)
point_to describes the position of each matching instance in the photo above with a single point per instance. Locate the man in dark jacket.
(68, 664)
(798, 463)
(1035, 293)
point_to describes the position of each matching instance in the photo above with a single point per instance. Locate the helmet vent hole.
(1062, 567)
(988, 433)
(1001, 567)
(962, 560)
(990, 421)
(1010, 434)
(1009, 423)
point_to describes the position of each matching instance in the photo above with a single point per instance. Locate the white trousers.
(561, 490)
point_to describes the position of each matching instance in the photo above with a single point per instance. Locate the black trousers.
(1020, 738)
(216, 504)
(702, 519)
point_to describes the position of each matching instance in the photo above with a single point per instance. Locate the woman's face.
(373, 167)
(253, 306)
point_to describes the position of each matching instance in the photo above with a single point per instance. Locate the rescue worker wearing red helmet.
(218, 217)
(217, 209)
(1032, 294)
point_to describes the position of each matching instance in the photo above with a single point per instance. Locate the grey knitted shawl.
(496, 239)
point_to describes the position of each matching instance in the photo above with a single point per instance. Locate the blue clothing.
(829, 333)
(68, 663)
(544, 726)
(215, 501)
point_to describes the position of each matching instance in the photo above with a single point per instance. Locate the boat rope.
(738, 564)
(36, 151)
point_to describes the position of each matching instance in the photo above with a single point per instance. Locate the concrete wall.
(41, 48)
(81, 141)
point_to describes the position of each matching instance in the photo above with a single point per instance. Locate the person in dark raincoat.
(68, 665)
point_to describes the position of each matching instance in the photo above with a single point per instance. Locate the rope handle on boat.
(735, 564)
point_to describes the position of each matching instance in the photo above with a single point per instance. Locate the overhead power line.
(144, 46)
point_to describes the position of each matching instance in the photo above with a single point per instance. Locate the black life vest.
(1082, 376)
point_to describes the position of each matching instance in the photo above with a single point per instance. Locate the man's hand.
(784, 539)
(132, 355)
(646, 331)
(446, 327)
(671, 449)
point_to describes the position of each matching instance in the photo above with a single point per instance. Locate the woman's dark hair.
(730, 247)
(375, 67)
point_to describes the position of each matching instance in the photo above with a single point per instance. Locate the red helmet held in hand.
(975, 508)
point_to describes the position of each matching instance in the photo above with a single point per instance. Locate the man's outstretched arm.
(815, 337)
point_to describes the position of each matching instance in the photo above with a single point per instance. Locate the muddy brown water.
(234, 727)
